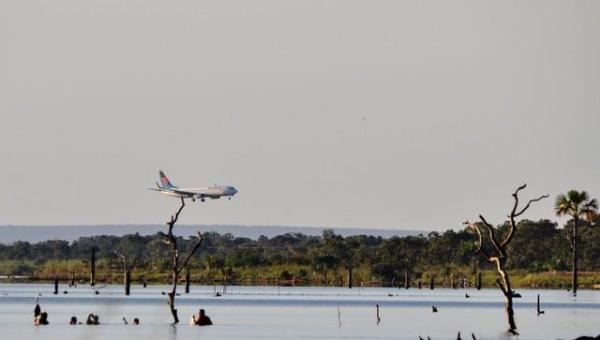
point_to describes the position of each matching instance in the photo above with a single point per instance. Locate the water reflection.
(172, 332)
(297, 313)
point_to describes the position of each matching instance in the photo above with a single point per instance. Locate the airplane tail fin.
(164, 181)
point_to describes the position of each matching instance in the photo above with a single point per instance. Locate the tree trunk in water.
(55, 285)
(127, 281)
(93, 268)
(187, 280)
(349, 277)
(506, 288)
(479, 281)
(575, 222)
(172, 296)
(431, 283)
(406, 282)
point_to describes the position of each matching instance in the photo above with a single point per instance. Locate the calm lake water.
(295, 313)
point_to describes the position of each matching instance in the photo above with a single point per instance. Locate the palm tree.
(579, 206)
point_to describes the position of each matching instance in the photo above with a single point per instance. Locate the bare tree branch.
(512, 224)
(492, 232)
(479, 243)
(501, 286)
(529, 203)
(191, 254)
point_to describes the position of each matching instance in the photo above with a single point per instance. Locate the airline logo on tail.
(164, 181)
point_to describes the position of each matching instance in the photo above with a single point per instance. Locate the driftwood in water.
(496, 252)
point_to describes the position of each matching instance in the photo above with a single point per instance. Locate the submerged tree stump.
(93, 267)
(187, 280)
(127, 281)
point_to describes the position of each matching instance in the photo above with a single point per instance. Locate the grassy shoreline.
(303, 276)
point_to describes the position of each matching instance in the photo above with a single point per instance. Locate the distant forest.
(539, 246)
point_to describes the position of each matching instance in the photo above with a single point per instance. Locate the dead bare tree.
(176, 266)
(126, 272)
(498, 255)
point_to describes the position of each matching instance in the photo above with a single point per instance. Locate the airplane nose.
(233, 190)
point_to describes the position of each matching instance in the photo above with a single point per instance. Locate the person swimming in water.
(202, 320)
(40, 317)
(92, 319)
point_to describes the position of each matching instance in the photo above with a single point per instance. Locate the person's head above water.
(136, 321)
(73, 321)
(202, 312)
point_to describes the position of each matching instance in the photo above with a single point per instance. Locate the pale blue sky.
(463, 101)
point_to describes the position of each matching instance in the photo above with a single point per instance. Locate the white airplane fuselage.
(214, 192)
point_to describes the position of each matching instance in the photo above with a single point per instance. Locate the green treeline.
(538, 255)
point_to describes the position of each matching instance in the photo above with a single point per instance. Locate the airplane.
(213, 192)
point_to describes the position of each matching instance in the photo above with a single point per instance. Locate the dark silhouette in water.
(584, 337)
(136, 321)
(92, 319)
(37, 311)
(40, 317)
(378, 318)
(73, 321)
(203, 319)
(539, 311)
(43, 319)
(434, 309)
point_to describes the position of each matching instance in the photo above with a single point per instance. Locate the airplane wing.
(182, 193)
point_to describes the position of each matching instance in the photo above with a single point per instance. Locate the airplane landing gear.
(202, 199)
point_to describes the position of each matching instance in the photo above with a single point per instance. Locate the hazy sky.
(462, 102)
